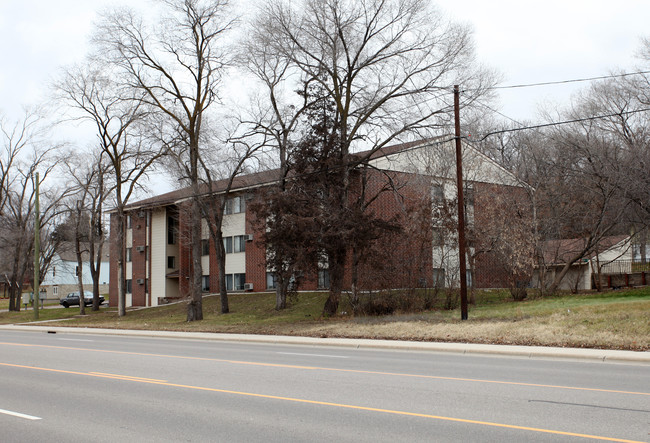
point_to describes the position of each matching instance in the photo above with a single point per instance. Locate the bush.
(377, 306)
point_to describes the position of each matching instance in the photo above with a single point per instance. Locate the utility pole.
(37, 249)
(461, 208)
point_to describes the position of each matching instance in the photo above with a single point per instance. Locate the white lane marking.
(74, 339)
(18, 414)
(312, 355)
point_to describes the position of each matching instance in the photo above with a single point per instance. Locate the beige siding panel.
(236, 263)
(158, 281)
(205, 265)
(439, 160)
(205, 231)
(234, 224)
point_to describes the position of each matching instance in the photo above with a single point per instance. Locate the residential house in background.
(612, 259)
(61, 277)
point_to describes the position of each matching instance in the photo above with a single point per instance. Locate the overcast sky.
(527, 41)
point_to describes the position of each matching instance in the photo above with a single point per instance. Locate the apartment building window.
(469, 279)
(239, 281)
(239, 243)
(271, 280)
(438, 194)
(55, 290)
(439, 277)
(205, 283)
(129, 253)
(205, 247)
(171, 262)
(227, 244)
(468, 195)
(438, 236)
(128, 286)
(228, 282)
(235, 282)
(235, 205)
(172, 230)
(323, 278)
(235, 244)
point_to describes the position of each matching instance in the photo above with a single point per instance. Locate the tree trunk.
(95, 265)
(281, 296)
(336, 262)
(14, 305)
(95, 294)
(221, 262)
(82, 298)
(95, 269)
(354, 299)
(195, 306)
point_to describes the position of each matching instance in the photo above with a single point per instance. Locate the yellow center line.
(127, 377)
(353, 371)
(324, 403)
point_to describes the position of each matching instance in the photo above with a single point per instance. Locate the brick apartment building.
(423, 253)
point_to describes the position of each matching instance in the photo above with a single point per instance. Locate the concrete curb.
(604, 355)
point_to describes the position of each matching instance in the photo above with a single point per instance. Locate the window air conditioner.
(139, 248)
(249, 237)
(140, 281)
(248, 286)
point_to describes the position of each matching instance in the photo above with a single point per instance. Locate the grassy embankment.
(616, 320)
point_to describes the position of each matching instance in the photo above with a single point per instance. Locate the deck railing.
(620, 267)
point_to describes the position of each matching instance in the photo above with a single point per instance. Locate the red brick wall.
(400, 258)
(139, 260)
(499, 212)
(184, 251)
(397, 259)
(255, 255)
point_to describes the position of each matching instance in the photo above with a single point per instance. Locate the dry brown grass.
(617, 320)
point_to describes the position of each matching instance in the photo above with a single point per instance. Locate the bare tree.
(385, 65)
(177, 68)
(87, 213)
(117, 114)
(220, 167)
(22, 155)
(18, 219)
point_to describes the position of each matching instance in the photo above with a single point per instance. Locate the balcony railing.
(625, 267)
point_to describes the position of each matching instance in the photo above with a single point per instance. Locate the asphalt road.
(69, 387)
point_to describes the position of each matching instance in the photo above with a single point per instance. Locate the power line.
(577, 120)
(560, 82)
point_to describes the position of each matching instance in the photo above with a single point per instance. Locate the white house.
(614, 252)
(61, 277)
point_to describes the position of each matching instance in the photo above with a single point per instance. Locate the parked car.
(72, 299)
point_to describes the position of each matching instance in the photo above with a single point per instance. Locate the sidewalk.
(604, 355)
